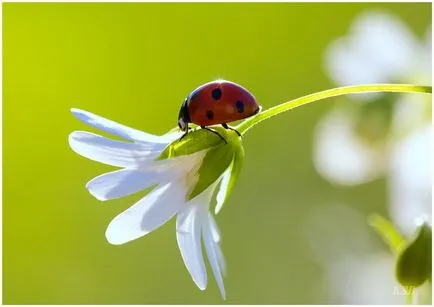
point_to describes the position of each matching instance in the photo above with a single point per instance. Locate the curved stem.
(356, 89)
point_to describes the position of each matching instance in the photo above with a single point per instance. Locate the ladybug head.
(184, 117)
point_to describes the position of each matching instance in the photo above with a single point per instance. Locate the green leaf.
(414, 263)
(387, 232)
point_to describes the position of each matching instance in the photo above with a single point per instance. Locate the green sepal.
(216, 160)
(387, 232)
(235, 170)
(219, 155)
(414, 263)
(194, 141)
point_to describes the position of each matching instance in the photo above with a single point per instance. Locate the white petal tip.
(113, 238)
(97, 196)
(77, 112)
(74, 140)
(113, 242)
(82, 115)
(71, 136)
(223, 294)
(114, 234)
(218, 208)
(201, 283)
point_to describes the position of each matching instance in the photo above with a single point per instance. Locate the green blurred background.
(135, 63)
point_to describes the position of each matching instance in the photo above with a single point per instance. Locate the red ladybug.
(217, 103)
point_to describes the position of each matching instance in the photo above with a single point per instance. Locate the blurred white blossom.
(365, 137)
(379, 48)
(410, 179)
(369, 136)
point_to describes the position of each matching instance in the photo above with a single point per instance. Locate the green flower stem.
(387, 232)
(356, 89)
(409, 298)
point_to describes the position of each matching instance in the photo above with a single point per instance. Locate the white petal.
(147, 214)
(223, 189)
(189, 234)
(216, 234)
(121, 183)
(340, 155)
(220, 258)
(170, 136)
(191, 224)
(378, 49)
(214, 229)
(111, 152)
(189, 231)
(410, 179)
(116, 128)
(210, 247)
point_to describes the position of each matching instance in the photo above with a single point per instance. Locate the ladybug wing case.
(220, 103)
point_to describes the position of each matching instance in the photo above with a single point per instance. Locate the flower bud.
(414, 263)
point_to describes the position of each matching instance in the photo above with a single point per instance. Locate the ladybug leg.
(186, 132)
(230, 128)
(215, 132)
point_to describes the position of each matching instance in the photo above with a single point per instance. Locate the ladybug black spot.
(216, 94)
(240, 106)
(209, 114)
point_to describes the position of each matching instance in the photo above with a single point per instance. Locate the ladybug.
(217, 103)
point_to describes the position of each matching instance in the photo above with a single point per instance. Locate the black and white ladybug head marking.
(184, 117)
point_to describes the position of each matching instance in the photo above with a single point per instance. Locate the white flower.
(175, 179)
(410, 180)
(379, 49)
(340, 155)
(362, 138)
